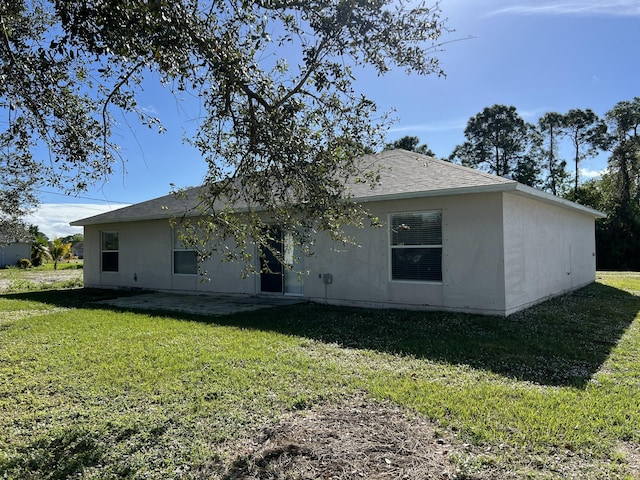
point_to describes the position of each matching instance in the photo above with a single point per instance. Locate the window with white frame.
(416, 246)
(185, 258)
(110, 251)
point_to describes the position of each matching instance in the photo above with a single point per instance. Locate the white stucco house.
(453, 239)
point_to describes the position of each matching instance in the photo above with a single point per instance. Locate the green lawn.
(13, 271)
(66, 275)
(96, 392)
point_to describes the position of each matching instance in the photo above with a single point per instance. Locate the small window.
(416, 246)
(185, 259)
(110, 251)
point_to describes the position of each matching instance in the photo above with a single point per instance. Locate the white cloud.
(53, 219)
(587, 174)
(431, 127)
(454, 124)
(150, 110)
(534, 113)
(573, 7)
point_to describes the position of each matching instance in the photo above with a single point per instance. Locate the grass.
(63, 265)
(95, 392)
(38, 278)
(13, 271)
(23, 285)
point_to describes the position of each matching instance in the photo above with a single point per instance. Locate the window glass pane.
(109, 261)
(421, 228)
(185, 262)
(294, 258)
(416, 264)
(109, 240)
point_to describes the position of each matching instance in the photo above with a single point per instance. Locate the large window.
(110, 251)
(185, 259)
(416, 246)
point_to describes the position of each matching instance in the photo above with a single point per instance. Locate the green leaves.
(619, 234)
(496, 139)
(411, 144)
(273, 79)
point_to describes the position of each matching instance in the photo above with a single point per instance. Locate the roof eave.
(164, 215)
(498, 187)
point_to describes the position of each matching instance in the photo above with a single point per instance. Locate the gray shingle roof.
(162, 207)
(403, 174)
(409, 173)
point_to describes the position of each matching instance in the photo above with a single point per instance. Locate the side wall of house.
(549, 250)
(10, 254)
(144, 250)
(472, 262)
(145, 261)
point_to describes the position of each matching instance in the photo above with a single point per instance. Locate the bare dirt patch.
(361, 438)
(631, 452)
(356, 440)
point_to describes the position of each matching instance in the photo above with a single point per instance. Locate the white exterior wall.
(10, 254)
(472, 265)
(146, 261)
(144, 251)
(549, 250)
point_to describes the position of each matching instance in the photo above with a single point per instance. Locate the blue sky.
(537, 55)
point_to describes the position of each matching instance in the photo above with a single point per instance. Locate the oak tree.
(18, 177)
(281, 123)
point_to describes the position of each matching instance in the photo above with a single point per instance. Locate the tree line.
(498, 140)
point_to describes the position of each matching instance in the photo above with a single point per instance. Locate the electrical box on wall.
(327, 278)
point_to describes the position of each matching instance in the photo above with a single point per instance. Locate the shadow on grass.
(72, 451)
(562, 342)
(63, 456)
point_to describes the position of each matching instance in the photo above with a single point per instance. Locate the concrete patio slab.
(215, 305)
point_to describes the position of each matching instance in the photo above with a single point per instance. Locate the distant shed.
(13, 250)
